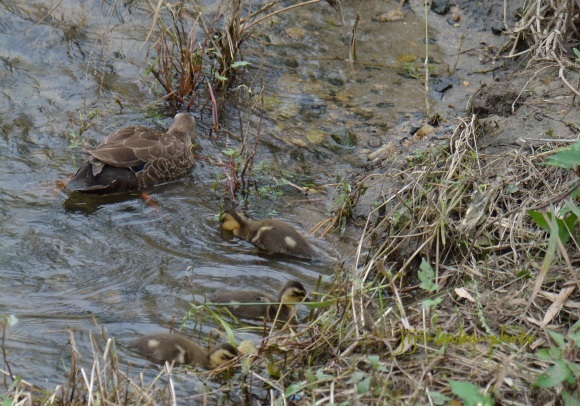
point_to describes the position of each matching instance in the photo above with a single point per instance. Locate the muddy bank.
(517, 105)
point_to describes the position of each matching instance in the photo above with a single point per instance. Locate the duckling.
(291, 293)
(271, 236)
(137, 157)
(161, 348)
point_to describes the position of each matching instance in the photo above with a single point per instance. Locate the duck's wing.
(249, 296)
(135, 145)
(245, 304)
(277, 237)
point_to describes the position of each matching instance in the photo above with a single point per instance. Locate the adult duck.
(137, 157)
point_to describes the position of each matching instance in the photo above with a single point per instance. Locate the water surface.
(131, 266)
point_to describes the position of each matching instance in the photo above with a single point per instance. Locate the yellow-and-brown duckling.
(174, 348)
(264, 305)
(271, 236)
(138, 157)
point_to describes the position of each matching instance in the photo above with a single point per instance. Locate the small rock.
(343, 137)
(343, 96)
(392, 16)
(385, 105)
(296, 33)
(363, 112)
(440, 7)
(289, 81)
(374, 141)
(271, 102)
(425, 130)
(407, 58)
(383, 152)
(413, 130)
(317, 137)
(298, 142)
(290, 109)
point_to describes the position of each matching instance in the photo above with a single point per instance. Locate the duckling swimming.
(292, 293)
(137, 157)
(174, 348)
(272, 236)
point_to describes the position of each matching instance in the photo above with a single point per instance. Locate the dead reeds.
(194, 58)
(451, 264)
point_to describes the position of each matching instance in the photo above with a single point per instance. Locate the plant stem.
(426, 64)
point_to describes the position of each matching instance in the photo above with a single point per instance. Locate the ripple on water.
(132, 266)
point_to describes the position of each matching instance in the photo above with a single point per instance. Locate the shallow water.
(131, 266)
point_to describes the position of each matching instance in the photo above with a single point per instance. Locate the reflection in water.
(68, 260)
(88, 204)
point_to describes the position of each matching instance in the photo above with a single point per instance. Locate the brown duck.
(263, 305)
(271, 236)
(138, 157)
(174, 348)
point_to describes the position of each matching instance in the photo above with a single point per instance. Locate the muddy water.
(121, 261)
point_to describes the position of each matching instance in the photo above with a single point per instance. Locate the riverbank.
(455, 289)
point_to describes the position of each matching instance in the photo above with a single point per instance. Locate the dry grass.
(466, 214)
(547, 30)
(380, 334)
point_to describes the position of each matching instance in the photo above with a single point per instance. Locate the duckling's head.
(184, 124)
(221, 354)
(233, 221)
(292, 292)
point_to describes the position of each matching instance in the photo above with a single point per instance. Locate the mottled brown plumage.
(138, 157)
(272, 236)
(263, 305)
(174, 348)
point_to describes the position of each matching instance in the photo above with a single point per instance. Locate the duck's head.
(292, 292)
(183, 123)
(233, 221)
(221, 354)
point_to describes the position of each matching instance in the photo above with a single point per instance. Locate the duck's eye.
(227, 357)
(299, 293)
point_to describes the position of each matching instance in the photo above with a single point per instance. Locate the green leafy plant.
(568, 158)
(577, 53)
(565, 224)
(566, 219)
(8, 398)
(84, 122)
(269, 192)
(564, 368)
(345, 199)
(427, 277)
(412, 70)
(470, 394)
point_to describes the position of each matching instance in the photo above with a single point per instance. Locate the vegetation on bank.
(464, 286)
